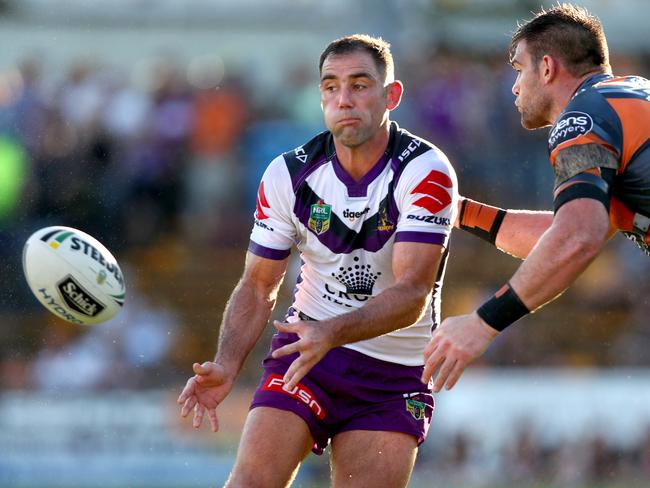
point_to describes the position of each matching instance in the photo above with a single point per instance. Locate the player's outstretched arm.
(246, 314)
(415, 266)
(512, 231)
(578, 233)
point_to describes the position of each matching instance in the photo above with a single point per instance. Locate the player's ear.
(549, 66)
(395, 91)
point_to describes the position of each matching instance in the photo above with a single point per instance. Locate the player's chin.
(350, 136)
(529, 123)
(532, 121)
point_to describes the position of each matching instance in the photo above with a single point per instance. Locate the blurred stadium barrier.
(136, 439)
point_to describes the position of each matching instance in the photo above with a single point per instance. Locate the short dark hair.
(569, 33)
(375, 46)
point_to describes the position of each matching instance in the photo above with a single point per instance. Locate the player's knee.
(258, 477)
(245, 480)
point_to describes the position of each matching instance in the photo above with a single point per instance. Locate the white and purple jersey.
(345, 230)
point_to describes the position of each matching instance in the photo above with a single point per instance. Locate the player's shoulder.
(312, 152)
(299, 160)
(415, 155)
(621, 84)
(588, 111)
(406, 147)
(599, 90)
(595, 111)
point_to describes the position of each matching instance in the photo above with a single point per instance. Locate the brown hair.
(375, 46)
(569, 33)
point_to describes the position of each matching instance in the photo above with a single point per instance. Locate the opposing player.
(370, 208)
(600, 151)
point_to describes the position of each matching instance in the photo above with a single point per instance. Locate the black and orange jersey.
(600, 148)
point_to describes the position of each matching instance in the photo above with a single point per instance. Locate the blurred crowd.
(165, 161)
(527, 460)
(162, 167)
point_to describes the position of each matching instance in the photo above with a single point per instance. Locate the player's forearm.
(512, 231)
(396, 307)
(559, 258)
(521, 230)
(575, 238)
(244, 320)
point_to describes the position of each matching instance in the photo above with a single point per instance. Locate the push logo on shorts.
(300, 392)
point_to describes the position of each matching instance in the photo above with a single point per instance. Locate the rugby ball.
(73, 275)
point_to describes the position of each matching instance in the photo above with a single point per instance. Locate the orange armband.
(479, 219)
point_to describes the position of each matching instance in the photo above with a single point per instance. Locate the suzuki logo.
(434, 188)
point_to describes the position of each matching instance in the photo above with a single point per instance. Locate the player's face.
(354, 97)
(533, 101)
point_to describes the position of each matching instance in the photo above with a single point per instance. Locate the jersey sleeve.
(274, 231)
(590, 127)
(427, 199)
(585, 145)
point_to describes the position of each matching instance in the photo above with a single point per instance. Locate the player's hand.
(453, 346)
(311, 347)
(204, 391)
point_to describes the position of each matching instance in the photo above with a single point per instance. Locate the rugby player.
(599, 147)
(370, 207)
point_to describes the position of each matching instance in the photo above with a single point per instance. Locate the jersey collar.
(360, 188)
(591, 81)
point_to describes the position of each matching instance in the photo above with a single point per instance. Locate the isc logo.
(415, 143)
(275, 383)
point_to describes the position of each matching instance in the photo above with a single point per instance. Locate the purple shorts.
(348, 390)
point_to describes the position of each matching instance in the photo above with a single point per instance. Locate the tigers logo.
(262, 203)
(434, 187)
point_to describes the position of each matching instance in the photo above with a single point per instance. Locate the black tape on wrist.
(503, 309)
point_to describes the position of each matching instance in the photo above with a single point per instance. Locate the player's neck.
(569, 89)
(357, 161)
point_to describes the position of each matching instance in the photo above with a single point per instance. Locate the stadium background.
(147, 123)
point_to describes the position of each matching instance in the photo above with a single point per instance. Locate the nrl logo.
(319, 217)
(101, 277)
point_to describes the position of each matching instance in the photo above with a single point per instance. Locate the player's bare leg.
(273, 444)
(372, 458)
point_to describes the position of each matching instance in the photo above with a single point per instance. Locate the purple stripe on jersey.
(350, 240)
(372, 243)
(300, 177)
(358, 188)
(425, 237)
(267, 252)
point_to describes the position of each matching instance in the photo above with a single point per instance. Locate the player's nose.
(515, 89)
(344, 97)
